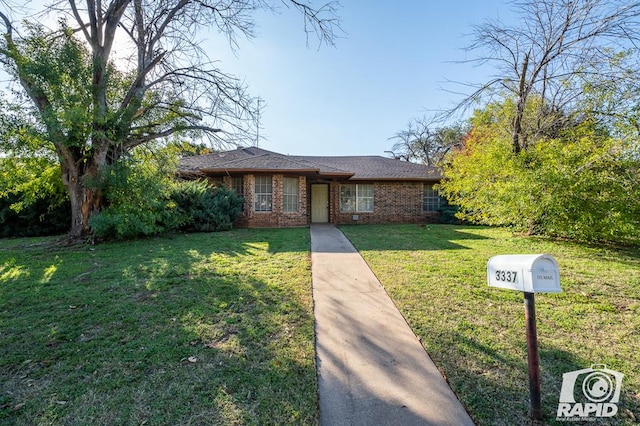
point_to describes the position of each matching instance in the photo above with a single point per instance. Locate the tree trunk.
(518, 140)
(85, 201)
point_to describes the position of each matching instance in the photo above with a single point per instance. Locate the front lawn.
(189, 329)
(475, 334)
(218, 328)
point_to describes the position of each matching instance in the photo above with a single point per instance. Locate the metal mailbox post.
(529, 273)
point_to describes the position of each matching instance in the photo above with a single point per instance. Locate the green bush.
(41, 217)
(144, 200)
(447, 215)
(138, 202)
(33, 201)
(206, 208)
(123, 222)
(582, 186)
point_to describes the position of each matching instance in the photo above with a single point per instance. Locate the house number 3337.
(507, 276)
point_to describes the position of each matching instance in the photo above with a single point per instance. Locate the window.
(237, 185)
(263, 194)
(290, 194)
(431, 200)
(356, 198)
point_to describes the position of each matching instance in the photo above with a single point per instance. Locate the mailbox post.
(532, 356)
(535, 273)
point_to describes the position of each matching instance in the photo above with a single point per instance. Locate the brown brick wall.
(393, 202)
(277, 218)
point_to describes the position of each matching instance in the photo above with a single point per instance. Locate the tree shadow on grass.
(494, 387)
(409, 237)
(244, 241)
(166, 331)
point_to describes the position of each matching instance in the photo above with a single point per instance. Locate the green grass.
(218, 328)
(190, 329)
(476, 334)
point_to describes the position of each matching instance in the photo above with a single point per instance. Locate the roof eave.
(227, 171)
(395, 179)
(344, 175)
(190, 173)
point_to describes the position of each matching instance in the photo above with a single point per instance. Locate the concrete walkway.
(372, 370)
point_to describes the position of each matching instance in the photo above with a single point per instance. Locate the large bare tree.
(94, 107)
(558, 58)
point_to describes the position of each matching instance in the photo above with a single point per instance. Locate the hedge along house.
(286, 190)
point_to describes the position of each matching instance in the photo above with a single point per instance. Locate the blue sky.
(391, 65)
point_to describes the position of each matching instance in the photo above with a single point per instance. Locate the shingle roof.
(377, 167)
(351, 167)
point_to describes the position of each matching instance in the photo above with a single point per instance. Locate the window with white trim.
(356, 198)
(290, 194)
(263, 194)
(431, 199)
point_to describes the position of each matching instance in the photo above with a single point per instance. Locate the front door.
(319, 203)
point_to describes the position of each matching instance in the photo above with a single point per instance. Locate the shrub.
(143, 201)
(138, 203)
(447, 215)
(33, 201)
(41, 217)
(582, 186)
(206, 208)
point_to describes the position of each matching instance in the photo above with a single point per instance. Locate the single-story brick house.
(291, 190)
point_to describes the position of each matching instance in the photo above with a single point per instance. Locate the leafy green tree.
(137, 191)
(31, 179)
(555, 150)
(90, 113)
(32, 199)
(583, 184)
(590, 184)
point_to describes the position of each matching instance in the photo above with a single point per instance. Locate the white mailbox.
(531, 273)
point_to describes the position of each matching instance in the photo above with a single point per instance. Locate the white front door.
(319, 203)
